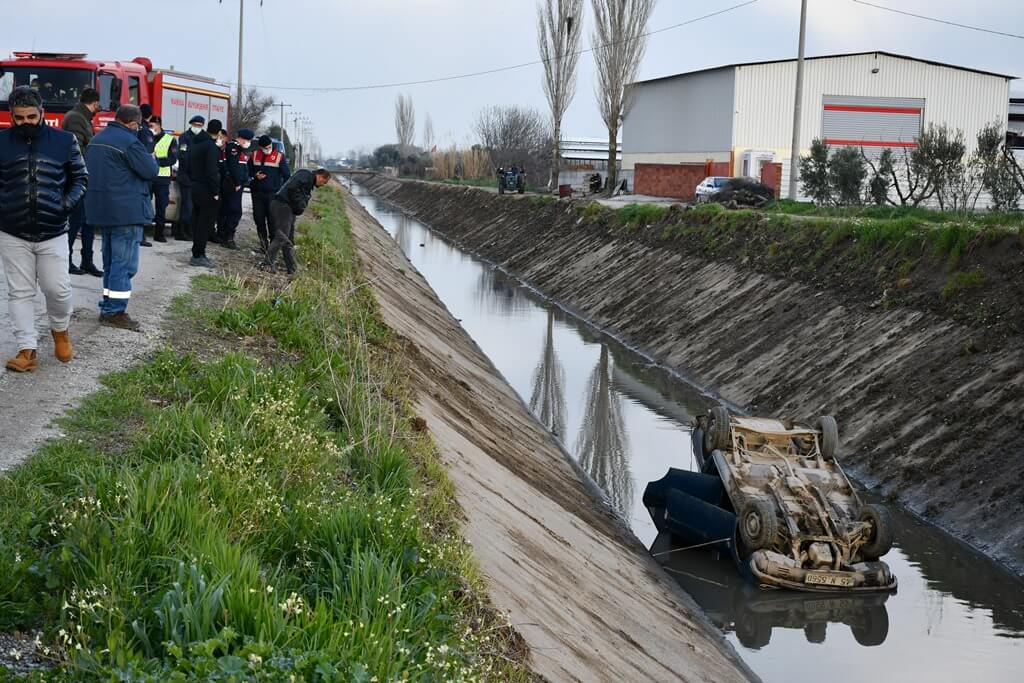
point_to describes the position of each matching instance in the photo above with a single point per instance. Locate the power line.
(379, 86)
(939, 21)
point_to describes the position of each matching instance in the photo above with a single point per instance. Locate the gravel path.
(30, 402)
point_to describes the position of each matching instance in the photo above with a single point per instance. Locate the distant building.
(1015, 121)
(582, 157)
(737, 120)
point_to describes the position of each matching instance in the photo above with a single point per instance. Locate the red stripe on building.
(868, 143)
(872, 110)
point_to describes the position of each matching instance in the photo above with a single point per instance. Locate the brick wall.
(678, 181)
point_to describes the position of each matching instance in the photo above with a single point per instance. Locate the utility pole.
(241, 24)
(282, 105)
(794, 157)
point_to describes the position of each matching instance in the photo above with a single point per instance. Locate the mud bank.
(588, 599)
(928, 385)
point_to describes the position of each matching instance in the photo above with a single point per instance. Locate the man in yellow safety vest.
(166, 152)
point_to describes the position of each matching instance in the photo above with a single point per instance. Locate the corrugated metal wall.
(764, 95)
(691, 113)
(871, 121)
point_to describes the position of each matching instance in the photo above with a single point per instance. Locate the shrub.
(814, 175)
(846, 173)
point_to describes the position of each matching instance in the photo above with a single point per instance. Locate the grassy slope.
(255, 515)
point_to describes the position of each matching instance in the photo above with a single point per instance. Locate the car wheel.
(883, 533)
(758, 524)
(829, 436)
(718, 432)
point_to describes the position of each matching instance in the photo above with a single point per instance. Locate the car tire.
(829, 444)
(883, 533)
(758, 523)
(718, 432)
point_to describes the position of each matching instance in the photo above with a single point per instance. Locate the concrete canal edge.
(584, 593)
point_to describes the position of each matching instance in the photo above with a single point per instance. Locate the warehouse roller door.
(871, 122)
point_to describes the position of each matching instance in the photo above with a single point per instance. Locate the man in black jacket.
(42, 178)
(146, 138)
(204, 172)
(183, 228)
(289, 202)
(78, 122)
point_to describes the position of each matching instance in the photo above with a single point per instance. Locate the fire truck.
(60, 78)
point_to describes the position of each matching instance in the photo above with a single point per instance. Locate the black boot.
(158, 233)
(89, 269)
(73, 269)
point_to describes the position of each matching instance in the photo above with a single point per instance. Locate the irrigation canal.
(956, 617)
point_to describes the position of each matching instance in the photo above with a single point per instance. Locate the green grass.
(963, 281)
(634, 216)
(239, 519)
(888, 212)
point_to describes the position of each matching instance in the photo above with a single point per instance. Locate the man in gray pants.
(42, 179)
(290, 201)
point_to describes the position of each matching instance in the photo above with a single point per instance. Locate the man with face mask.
(165, 149)
(183, 228)
(78, 122)
(236, 177)
(146, 138)
(118, 203)
(42, 178)
(204, 174)
(269, 171)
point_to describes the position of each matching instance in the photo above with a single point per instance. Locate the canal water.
(956, 616)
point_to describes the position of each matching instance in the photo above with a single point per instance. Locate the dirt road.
(30, 402)
(586, 596)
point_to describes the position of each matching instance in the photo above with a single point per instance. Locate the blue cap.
(197, 119)
(246, 134)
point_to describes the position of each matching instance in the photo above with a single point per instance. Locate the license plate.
(821, 579)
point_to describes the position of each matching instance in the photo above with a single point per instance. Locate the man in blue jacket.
(42, 179)
(121, 171)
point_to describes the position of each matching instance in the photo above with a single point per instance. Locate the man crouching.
(42, 178)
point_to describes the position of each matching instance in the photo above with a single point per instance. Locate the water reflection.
(498, 294)
(956, 617)
(753, 614)
(547, 401)
(602, 447)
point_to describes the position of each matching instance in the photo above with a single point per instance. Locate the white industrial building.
(742, 114)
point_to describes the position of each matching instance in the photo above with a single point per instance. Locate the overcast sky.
(318, 43)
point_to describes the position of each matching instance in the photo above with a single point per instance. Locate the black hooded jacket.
(42, 178)
(204, 165)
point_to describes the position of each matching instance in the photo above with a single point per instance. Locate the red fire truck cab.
(60, 78)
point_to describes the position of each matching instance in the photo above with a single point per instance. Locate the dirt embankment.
(923, 367)
(590, 602)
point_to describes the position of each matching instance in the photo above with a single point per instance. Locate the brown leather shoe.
(62, 346)
(120, 320)
(25, 361)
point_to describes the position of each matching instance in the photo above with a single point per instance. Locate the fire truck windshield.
(58, 87)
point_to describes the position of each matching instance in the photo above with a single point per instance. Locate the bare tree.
(250, 114)
(619, 43)
(559, 27)
(514, 136)
(428, 134)
(405, 122)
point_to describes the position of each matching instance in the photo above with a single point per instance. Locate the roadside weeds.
(260, 513)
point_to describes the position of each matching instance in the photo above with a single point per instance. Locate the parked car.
(710, 186)
(772, 493)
